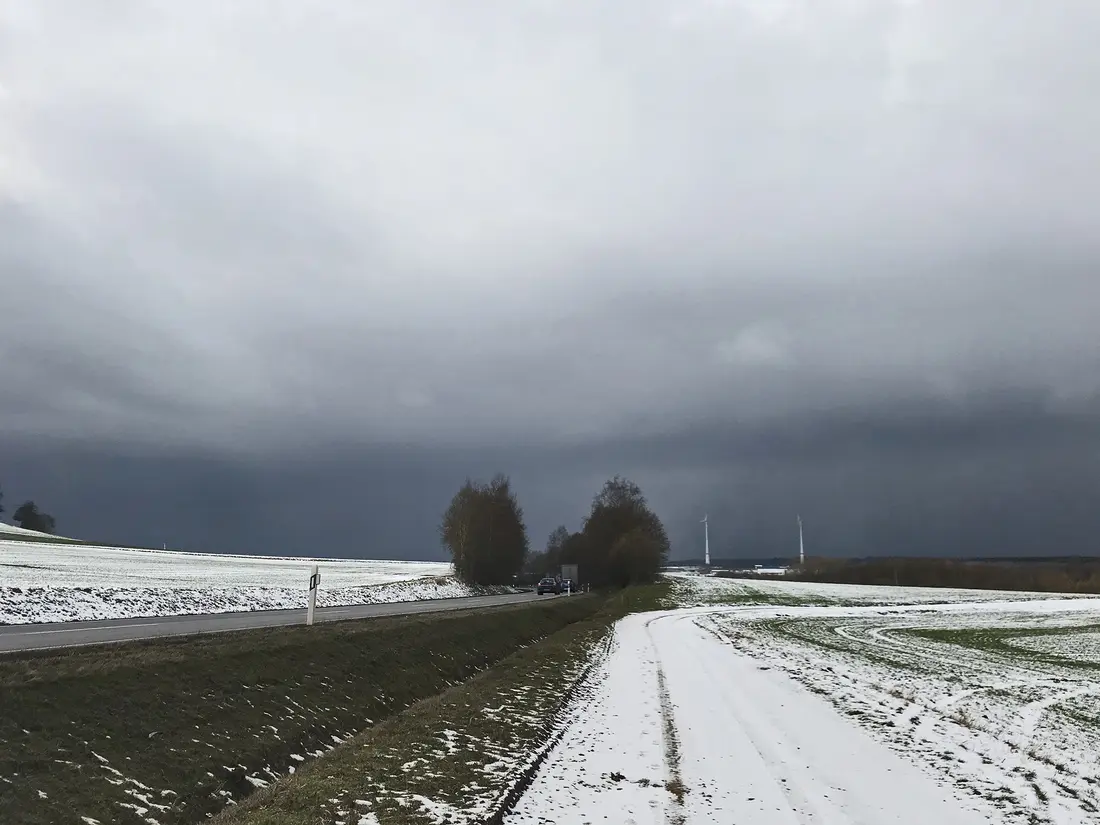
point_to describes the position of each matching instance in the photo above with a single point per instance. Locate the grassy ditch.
(460, 756)
(174, 730)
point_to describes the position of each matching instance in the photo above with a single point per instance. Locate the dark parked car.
(547, 585)
(567, 586)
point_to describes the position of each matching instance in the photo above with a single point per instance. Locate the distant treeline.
(735, 563)
(621, 540)
(1074, 575)
(749, 574)
(29, 517)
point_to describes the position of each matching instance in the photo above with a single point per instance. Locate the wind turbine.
(706, 539)
(801, 547)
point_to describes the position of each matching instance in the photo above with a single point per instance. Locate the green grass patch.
(998, 641)
(681, 594)
(454, 755)
(809, 632)
(1077, 717)
(177, 728)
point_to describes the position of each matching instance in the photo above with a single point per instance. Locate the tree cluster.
(484, 530)
(29, 517)
(1038, 575)
(621, 540)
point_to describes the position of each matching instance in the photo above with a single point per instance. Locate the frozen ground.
(62, 582)
(694, 591)
(12, 530)
(800, 704)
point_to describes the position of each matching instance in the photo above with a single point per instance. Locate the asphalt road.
(69, 634)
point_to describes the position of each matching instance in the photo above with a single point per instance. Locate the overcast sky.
(276, 276)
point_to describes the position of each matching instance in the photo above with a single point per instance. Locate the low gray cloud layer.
(761, 255)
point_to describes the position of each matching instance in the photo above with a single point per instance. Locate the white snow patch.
(440, 812)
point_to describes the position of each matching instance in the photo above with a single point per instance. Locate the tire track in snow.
(807, 798)
(1032, 713)
(674, 814)
(793, 752)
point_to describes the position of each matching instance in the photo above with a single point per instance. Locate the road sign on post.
(314, 583)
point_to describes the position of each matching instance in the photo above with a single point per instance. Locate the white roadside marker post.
(314, 581)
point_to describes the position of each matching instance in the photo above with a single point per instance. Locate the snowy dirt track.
(684, 729)
(799, 704)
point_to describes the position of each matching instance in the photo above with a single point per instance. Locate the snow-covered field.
(696, 591)
(795, 703)
(12, 530)
(44, 582)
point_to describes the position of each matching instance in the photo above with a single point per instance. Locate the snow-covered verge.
(483, 743)
(782, 702)
(462, 758)
(44, 582)
(57, 604)
(177, 732)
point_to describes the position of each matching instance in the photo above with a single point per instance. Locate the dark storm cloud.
(1002, 477)
(739, 250)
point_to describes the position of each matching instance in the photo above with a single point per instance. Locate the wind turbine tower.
(706, 542)
(801, 547)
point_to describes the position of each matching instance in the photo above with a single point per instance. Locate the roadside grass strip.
(172, 731)
(462, 757)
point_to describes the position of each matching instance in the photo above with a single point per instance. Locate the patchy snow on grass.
(693, 590)
(477, 745)
(1082, 646)
(45, 582)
